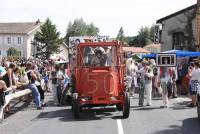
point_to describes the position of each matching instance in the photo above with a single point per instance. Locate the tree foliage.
(121, 36)
(12, 52)
(144, 37)
(47, 40)
(133, 41)
(80, 28)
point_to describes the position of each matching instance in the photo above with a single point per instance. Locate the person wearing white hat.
(146, 74)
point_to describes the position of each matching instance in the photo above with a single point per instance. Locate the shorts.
(190, 90)
(193, 87)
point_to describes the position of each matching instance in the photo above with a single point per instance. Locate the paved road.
(177, 119)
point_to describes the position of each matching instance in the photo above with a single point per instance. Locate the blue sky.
(108, 15)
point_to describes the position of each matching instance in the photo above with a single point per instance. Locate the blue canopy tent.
(151, 56)
(179, 54)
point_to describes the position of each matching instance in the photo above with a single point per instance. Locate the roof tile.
(17, 28)
(135, 50)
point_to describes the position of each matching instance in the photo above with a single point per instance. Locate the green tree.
(133, 41)
(92, 30)
(12, 52)
(80, 28)
(144, 36)
(47, 41)
(121, 36)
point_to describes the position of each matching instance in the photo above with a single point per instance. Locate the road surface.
(177, 119)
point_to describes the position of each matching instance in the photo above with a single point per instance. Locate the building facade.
(18, 36)
(64, 50)
(178, 30)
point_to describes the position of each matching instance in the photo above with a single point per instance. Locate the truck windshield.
(99, 56)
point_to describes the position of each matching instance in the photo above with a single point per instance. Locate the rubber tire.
(126, 106)
(198, 111)
(198, 106)
(119, 107)
(75, 105)
(1, 114)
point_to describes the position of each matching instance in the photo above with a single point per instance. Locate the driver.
(97, 60)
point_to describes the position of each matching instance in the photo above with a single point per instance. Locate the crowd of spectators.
(149, 79)
(33, 74)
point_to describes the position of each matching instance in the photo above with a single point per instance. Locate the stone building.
(178, 30)
(18, 36)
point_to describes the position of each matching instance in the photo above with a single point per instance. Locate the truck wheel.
(1, 114)
(198, 111)
(126, 106)
(75, 106)
(198, 106)
(119, 107)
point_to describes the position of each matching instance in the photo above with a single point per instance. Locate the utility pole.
(197, 35)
